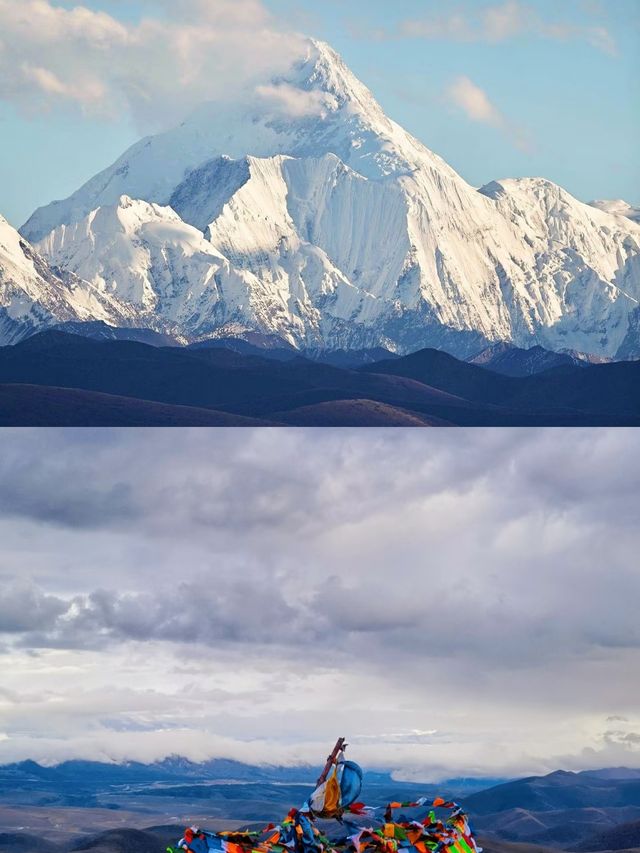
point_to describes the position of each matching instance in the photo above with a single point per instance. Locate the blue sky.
(560, 84)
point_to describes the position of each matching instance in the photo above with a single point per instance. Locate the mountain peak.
(322, 68)
(320, 63)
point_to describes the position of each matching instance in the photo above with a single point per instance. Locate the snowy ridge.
(159, 266)
(303, 211)
(32, 295)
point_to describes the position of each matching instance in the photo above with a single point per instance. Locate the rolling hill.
(428, 387)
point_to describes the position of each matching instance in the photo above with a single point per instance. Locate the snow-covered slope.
(146, 256)
(167, 275)
(33, 296)
(581, 266)
(305, 212)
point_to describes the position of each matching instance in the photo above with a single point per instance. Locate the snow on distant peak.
(618, 207)
(524, 195)
(133, 250)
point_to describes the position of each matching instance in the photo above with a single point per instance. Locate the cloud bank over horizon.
(464, 605)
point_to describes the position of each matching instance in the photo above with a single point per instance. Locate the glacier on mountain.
(335, 228)
(33, 295)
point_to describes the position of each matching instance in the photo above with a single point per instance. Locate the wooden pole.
(340, 746)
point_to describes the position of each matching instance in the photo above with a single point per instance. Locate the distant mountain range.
(515, 361)
(226, 790)
(583, 812)
(329, 228)
(55, 378)
(172, 768)
(177, 770)
(619, 207)
(560, 789)
(621, 837)
(561, 809)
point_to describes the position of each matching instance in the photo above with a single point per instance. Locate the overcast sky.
(499, 88)
(454, 602)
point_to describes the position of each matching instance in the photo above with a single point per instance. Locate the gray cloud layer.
(478, 587)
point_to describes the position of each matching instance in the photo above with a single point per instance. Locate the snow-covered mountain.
(33, 295)
(303, 211)
(619, 207)
(156, 265)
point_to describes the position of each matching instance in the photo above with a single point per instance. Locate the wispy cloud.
(495, 24)
(476, 104)
(296, 103)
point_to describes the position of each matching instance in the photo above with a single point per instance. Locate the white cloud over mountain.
(156, 69)
(288, 100)
(180, 54)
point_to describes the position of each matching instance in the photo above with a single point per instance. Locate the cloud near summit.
(297, 103)
(156, 69)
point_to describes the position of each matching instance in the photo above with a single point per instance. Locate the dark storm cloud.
(233, 612)
(25, 608)
(365, 531)
(48, 486)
